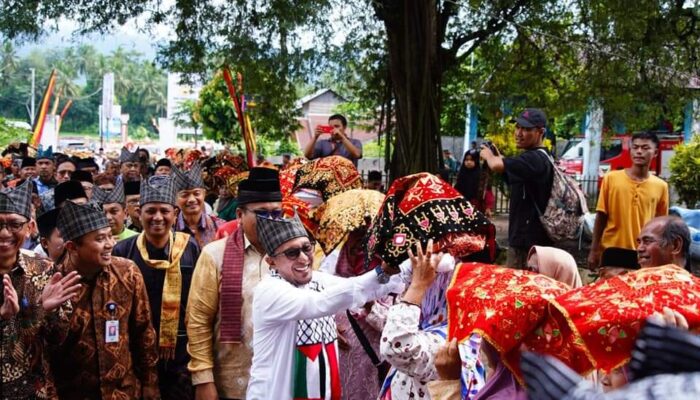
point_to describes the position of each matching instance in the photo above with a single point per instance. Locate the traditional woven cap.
(75, 220)
(42, 154)
(127, 156)
(17, 200)
(69, 190)
(275, 232)
(28, 162)
(262, 185)
(158, 189)
(115, 196)
(47, 222)
(132, 187)
(192, 179)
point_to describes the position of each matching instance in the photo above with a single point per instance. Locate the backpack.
(562, 218)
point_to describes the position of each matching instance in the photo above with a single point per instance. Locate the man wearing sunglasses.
(219, 311)
(293, 308)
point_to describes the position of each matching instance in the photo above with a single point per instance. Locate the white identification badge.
(111, 331)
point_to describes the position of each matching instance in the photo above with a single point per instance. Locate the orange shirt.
(629, 205)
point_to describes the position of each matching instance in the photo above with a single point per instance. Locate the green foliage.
(140, 85)
(685, 172)
(217, 113)
(10, 134)
(286, 146)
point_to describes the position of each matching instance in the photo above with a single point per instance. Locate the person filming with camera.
(338, 144)
(529, 176)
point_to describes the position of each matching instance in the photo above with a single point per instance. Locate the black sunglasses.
(293, 253)
(268, 214)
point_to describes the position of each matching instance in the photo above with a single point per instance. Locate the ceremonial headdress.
(17, 200)
(158, 189)
(328, 175)
(75, 220)
(47, 154)
(421, 207)
(262, 185)
(47, 222)
(127, 156)
(68, 190)
(132, 188)
(192, 179)
(28, 162)
(275, 232)
(115, 196)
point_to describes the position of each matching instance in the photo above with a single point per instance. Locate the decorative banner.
(243, 121)
(63, 114)
(39, 122)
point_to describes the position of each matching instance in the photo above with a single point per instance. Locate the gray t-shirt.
(327, 147)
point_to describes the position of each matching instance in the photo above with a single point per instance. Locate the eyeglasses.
(293, 253)
(268, 214)
(13, 226)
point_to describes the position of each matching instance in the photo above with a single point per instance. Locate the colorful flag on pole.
(43, 109)
(243, 120)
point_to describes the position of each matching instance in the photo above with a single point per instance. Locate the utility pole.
(32, 114)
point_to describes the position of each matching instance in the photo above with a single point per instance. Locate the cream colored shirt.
(227, 365)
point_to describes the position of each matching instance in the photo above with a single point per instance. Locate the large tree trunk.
(415, 71)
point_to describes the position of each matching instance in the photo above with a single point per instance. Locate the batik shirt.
(84, 365)
(25, 372)
(206, 228)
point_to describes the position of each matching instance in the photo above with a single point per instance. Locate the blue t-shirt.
(327, 147)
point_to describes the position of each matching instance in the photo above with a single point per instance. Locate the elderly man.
(219, 315)
(28, 168)
(130, 169)
(664, 240)
(166, 260)
(28, 285)
(108, 350)
(193, 218)
(295, 338)
(132, 194)
(114, 207)
(164, 167)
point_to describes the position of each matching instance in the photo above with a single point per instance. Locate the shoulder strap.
(363, 340)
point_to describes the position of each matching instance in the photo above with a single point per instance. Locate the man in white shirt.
(295, 353)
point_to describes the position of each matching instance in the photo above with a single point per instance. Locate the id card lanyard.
(112, 324)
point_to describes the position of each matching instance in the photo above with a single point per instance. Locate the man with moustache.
(166, 260)
(193, 218)
(130, 168)
(45, 167)
(219, 309)
(132, 194)
(108, 349)
(29, 303)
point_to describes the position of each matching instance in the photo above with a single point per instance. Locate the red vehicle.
(615, 154)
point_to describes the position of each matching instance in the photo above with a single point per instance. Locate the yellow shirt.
(227, 365)
(629, 205)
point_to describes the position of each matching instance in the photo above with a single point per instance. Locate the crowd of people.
(200, 277)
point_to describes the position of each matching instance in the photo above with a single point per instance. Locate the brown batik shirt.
(25, 370)
(85, 366)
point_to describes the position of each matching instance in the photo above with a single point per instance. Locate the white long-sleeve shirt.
(278, 305)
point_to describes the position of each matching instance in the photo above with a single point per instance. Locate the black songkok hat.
(157, 189)
(132, 188)
(17, 200)
(164, 162)
(115, 196)
(47, 222)
(192, 179)
(127, 156)
(69, 190)
(28, 162)
(75, 220)
(88, 162)
(619, 258)
(81, 176)
(275, 232)
(262, 185)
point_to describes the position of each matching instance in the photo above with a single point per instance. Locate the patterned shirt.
(206, 228)
(25, 372)
(84, 365)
